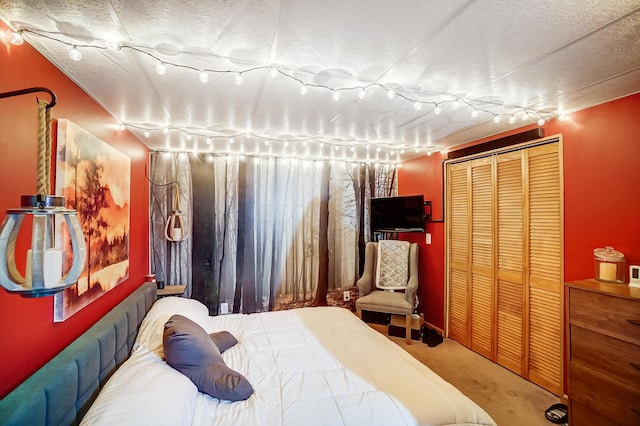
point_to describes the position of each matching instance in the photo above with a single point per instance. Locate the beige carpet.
(508, 398)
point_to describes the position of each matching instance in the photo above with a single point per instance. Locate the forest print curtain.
(273, 229)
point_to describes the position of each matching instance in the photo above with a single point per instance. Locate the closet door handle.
(634, 322)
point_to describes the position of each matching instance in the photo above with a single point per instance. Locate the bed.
(311, 366)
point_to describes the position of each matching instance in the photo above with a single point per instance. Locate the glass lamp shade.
(175, 229)
(43, 271)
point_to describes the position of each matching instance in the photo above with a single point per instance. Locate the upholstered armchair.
(382, 287)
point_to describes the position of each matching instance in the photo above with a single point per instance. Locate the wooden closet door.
(545, 276)
(482, 256)
(505, 253)
(458, 178)
(511, 208)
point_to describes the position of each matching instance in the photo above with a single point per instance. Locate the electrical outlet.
(427, 238)
(346, 296)
(224, 308)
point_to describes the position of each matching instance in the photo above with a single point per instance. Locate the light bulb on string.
(417, 105)
(541, 122)
(437, 110)
(391, 94)
(525, 116)
(362, 94)
(238, 79)
(16, 38)
(113, 44)
(512, 119)
(497, 119)
(335, 95)
(189, 137)
(75, 54)
(165, 130)
(474, 113)
(161, 68)
(122, 127)
(456, 103)
(204, 77)
(273, 72)
(147, 133)
(304, 90)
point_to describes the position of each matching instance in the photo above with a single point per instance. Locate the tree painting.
(94, 178)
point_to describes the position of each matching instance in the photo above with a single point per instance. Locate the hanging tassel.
(175, 229)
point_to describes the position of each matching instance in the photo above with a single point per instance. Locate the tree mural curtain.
(170, 260)
(272, 230)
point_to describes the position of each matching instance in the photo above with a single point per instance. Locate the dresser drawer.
(615, 358)
(614, 316)
(581, 415)
(611, 399)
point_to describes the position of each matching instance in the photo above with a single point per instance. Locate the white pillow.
(144, 391)
(152, 326)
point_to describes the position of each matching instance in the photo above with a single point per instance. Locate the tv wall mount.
(427, 214)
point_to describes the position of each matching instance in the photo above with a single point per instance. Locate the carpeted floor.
(508, 398)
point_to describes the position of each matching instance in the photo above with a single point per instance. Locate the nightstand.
(171, 290)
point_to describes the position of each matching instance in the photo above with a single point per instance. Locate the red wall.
(424, 176)
(601, 153)
(30, 337)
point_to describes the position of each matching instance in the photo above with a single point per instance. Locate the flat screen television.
(398, 214)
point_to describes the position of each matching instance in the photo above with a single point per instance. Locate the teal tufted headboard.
(61, 392)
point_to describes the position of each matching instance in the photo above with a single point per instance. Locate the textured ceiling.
(523, 59)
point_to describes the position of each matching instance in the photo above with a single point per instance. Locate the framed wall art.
(95, 179)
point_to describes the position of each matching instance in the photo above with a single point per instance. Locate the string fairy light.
(275, 70)
(388, 149)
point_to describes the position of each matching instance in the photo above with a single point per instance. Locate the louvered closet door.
(458, 178)
(505, 253)
(510, 258)
(482, 256)
(545, 266)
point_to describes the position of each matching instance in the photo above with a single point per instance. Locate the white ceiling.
(501, 57)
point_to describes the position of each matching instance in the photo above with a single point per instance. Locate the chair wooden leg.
(359, 313)
(408, 330)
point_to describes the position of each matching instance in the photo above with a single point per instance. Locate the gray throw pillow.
(190, 350)
(223, 340)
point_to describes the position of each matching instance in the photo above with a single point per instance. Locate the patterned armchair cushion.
(392, 266)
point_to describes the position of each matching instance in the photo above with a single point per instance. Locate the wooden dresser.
(603, 332)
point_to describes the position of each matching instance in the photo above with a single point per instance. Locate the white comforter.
(311, 366)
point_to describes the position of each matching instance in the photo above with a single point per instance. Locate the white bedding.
(310, 366)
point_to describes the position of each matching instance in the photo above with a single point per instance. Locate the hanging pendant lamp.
(44, 260)
(175, 229)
